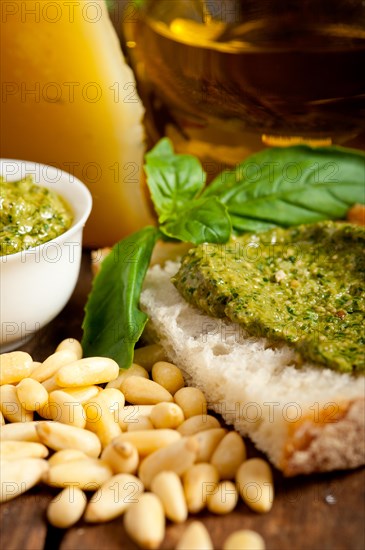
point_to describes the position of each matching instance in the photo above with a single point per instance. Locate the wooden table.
(310, 513)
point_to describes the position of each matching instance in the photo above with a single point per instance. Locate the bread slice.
(305, 418)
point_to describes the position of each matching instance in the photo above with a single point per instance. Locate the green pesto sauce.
(303, 285)
(30, 215)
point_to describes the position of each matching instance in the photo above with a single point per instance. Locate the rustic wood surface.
(321, 512)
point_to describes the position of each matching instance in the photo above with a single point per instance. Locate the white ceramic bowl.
(37, 283)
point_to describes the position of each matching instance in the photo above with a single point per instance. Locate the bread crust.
(329, 442)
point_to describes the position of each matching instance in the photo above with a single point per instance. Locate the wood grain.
(321, 512)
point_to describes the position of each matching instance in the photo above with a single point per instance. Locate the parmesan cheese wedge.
(70, 100)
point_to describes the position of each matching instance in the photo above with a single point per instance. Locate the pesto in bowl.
(30, 215)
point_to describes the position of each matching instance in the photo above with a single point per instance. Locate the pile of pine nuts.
(160, 456)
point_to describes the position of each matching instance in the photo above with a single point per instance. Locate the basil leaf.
(162, 148)
(113, 323)
(291, 186)
(205, 220)
(173, 180)
(243, 225)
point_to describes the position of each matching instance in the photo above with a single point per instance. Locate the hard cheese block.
(70, 100)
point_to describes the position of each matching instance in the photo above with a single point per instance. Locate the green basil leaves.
(291, 186)
(113, 322)
(176, 183)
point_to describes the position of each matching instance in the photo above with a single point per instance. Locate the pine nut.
(66, 508)
(87, 371)
(168, 487)
(132, 415)
(50, 384)
(134, 370)
(14, 366)
(149, 355)
(100, 420)
(71, 344)
(83, 393)
(65, 409)
(52, 364)
(88, 474)
(20, 431)
(11, 407)
(166, 415)
(149, 441)
(144, 521)
(141, 391)
(46, 412)
(13, 450)
(244, 540)
(224, 499)
(176, 457)
(198, 423)
(192, 401)
(59, 436)
(20, 476)
(195, 537)
(199, 481)
(114, 400)
(113, 498)
(65, 455)
(208, 441)
(168, 375)
(143, 424)
(31, 394)
(35, 364)
(229, 455)
(255, 484)
(121, 457)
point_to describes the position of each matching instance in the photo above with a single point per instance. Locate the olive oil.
(217, 80)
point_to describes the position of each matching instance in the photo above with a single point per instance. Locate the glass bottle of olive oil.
(220, 74)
